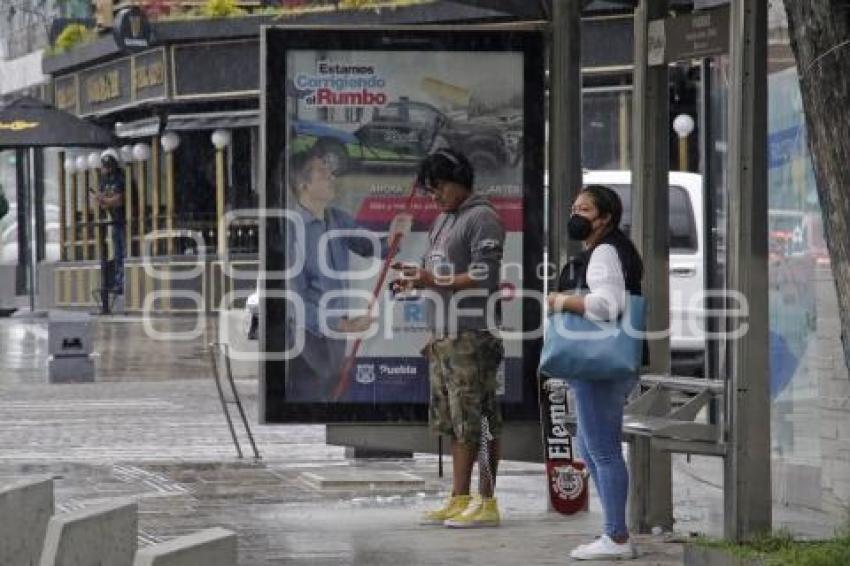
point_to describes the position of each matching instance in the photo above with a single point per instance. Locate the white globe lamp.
(94, 160)
(141, 151)
(169, 141)
(221, 138)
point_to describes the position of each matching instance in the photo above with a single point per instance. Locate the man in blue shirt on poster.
(313, 375)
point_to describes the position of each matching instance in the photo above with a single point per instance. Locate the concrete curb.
(211, 547)
(25, 509)
(99, 534)
(696, 555)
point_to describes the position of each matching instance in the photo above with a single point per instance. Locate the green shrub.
(72, 36)
(780, 549)
(222, 9)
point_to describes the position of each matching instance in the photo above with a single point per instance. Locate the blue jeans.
(118, 238)
(599, 408)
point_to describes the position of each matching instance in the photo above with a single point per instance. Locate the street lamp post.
(170, 142)
(82, 165)
(683, 125)
(126, 153)
(220, 139)
(141, 153)
(94, 167)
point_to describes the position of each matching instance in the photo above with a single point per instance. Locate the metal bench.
(674, 429)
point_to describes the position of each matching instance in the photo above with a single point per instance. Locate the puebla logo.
(365, 374)
(567, 482)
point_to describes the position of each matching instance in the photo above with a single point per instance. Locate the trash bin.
(69, 343)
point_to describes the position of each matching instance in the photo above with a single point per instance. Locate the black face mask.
(579, 227)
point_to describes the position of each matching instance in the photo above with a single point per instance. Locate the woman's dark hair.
(446, 165)
(607, 202)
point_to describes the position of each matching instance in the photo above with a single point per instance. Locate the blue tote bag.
(577, 348)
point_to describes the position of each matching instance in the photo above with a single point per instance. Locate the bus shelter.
(734, 385)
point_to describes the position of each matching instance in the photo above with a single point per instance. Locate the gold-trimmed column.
(169, 200)
(72, 224)
(63, 205)
(142, 152)
(82, 184)
(155, 186)
(94, 177)
(220, 139)
(127, 156)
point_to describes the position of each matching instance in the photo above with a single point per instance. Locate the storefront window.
(606, 127)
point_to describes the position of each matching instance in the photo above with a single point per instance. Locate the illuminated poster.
(351, 126)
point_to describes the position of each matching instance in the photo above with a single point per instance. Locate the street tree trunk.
(820, 38)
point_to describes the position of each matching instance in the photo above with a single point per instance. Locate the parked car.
(405, 131)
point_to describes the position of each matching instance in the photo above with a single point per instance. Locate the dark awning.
(29, 122)
(213, 120)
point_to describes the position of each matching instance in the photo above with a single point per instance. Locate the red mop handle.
(395, 244)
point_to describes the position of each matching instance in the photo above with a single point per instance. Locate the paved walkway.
(151, 427)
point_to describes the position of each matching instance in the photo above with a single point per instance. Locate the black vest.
(573, 276)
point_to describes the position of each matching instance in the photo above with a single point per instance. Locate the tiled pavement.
(151, 427)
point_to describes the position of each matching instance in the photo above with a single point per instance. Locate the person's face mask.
(579, 227)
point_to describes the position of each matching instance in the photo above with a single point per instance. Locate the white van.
(687, 281)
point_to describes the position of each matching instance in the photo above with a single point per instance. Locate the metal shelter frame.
(743, 433)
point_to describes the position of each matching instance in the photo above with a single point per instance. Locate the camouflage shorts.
(463, 385)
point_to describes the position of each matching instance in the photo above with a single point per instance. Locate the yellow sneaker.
(483, 513)
(454, 505)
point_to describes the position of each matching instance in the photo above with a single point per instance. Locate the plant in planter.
(72, 36)
(222, 9)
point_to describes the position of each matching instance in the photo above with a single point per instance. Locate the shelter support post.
(650, 494)
(747, 484)
(565, 174)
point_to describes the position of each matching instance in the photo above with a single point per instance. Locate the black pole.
(711, 277)
(23, 230)
(32, 245)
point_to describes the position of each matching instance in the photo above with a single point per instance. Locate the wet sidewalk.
(151, 427)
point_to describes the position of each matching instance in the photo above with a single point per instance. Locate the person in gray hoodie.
(459, 274)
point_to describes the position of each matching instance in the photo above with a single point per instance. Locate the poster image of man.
(313, 374)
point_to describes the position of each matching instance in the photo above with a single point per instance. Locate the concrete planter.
(696, 555)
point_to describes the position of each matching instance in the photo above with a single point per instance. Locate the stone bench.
(99, 534)
(211, 547)
(25, 509)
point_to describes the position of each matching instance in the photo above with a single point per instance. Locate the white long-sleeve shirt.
(606, 298)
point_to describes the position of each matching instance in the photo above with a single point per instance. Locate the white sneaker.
(604, 548)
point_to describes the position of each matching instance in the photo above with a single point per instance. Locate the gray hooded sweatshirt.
(468, 240)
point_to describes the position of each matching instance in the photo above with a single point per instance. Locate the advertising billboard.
(345, 129)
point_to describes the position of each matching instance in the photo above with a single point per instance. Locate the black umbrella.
(29, 122)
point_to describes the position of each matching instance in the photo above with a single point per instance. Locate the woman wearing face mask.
(595, 284)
